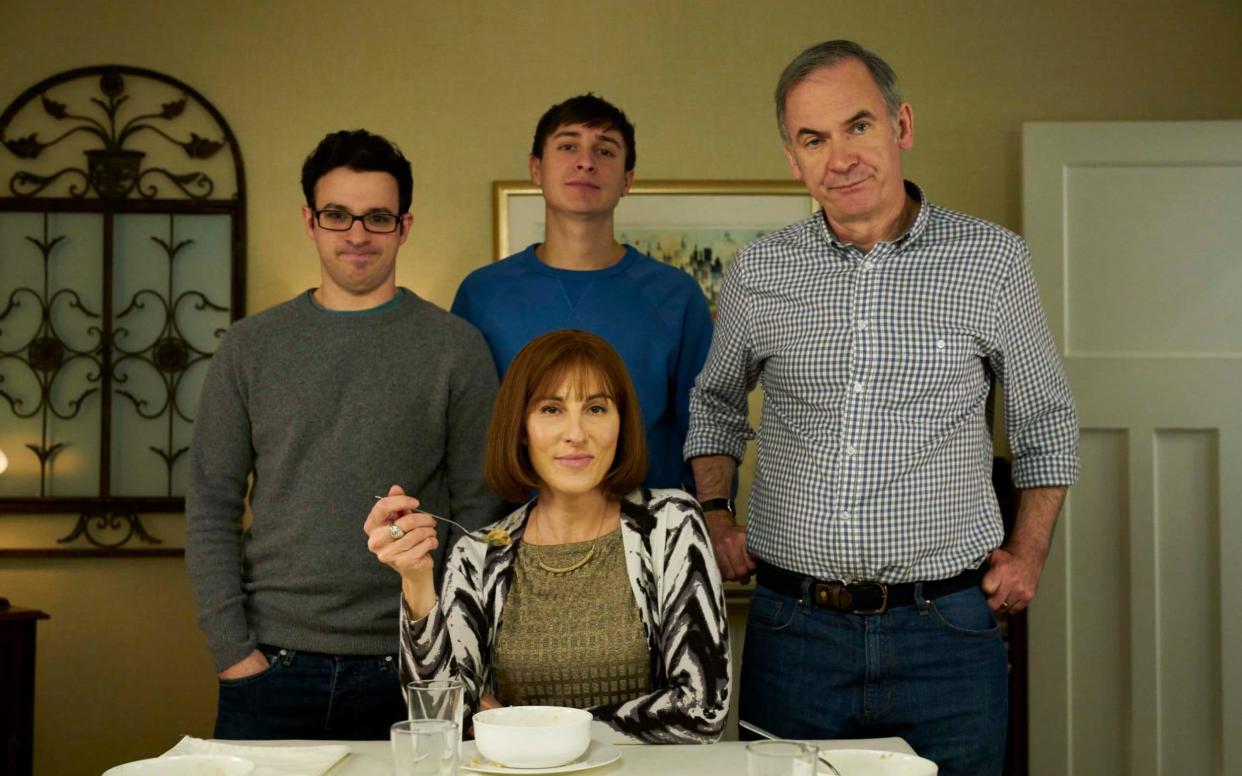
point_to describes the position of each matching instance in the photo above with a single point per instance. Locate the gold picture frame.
(695, 225)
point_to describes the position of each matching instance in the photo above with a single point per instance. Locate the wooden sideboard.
(17, 677)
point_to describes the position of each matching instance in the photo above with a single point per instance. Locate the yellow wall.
(459, 85)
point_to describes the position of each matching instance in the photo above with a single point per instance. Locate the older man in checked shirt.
(873, 529)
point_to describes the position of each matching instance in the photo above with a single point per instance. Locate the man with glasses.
(580, 277)
(312, 408)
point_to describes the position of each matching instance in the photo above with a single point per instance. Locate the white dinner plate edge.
(598, 754)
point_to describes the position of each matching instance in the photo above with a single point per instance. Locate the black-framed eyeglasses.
(379, 222)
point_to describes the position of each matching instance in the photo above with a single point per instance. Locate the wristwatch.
(713, 504)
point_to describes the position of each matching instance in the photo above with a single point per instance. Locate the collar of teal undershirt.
(391, 303)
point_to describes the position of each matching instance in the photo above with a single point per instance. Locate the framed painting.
(697, 226)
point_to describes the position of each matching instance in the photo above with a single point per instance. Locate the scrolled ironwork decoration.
(114, 170)
(45, 354)
(169, 355)
(93, 525)
(88, 315)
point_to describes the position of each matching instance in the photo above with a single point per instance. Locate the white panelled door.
(1136, 637)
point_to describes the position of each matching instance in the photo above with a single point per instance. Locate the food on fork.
(498, 537)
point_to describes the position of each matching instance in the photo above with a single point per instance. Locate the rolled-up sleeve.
(718, 407)
(1040, 419)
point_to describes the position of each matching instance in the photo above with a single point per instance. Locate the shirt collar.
(912, 233)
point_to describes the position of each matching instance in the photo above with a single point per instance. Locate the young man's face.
(845, 146)
(582, 171)
(356, 266)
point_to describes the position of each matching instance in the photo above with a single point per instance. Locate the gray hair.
(830, 53)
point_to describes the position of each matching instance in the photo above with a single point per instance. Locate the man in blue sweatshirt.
(580, 277)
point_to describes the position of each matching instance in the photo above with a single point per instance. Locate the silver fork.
(761, 732)
(497, 537)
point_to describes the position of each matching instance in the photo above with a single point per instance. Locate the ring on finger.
(395, 531)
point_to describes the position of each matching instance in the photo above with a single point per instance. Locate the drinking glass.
(436, 699)
(424, 747)
(781, 758)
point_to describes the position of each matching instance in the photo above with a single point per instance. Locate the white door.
(1136, 637)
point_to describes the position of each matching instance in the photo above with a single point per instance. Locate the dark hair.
(588, 110)
(539, 369)
(362, 151)
(829, 53)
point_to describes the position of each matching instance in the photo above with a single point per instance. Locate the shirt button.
(858, 387)
(850, 450)
(867, 265)
(843, 515)
(863, 324)
(940, 344)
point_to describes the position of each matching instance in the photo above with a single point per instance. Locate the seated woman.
(608, 597)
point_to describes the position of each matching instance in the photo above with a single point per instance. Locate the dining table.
(724, 758)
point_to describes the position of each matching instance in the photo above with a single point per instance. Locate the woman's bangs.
(578, 376)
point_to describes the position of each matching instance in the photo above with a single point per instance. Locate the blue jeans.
(308, 695)
(933, 673)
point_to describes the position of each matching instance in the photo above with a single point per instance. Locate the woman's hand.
(406, 550)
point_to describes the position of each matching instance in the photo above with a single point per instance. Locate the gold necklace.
(585, 559)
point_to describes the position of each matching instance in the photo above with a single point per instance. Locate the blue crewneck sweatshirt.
(654, 315)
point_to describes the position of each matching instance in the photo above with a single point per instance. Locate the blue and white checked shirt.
(875, 461)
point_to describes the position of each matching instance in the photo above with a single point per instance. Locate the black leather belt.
(859, 597)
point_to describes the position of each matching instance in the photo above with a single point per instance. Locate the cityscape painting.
(703, 253)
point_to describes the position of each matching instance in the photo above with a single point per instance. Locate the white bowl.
(532, 736)
(185, 765)
(871, 762)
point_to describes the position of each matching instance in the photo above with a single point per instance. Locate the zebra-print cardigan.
(676, 584)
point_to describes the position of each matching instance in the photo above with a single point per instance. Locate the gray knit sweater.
(326, 410)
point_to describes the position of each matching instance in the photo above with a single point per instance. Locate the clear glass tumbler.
(781, 758)
(436, 699)
(424, 747)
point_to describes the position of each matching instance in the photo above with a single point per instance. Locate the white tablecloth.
(727, 758)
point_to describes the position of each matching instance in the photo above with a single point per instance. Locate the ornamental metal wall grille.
(122, 262)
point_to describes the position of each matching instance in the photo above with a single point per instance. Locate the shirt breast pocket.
(934, 376)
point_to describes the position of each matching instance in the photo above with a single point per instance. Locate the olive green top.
(572, 639)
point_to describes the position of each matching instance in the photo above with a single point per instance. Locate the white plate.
(876, 763)
(597, 754)
(185, 765)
